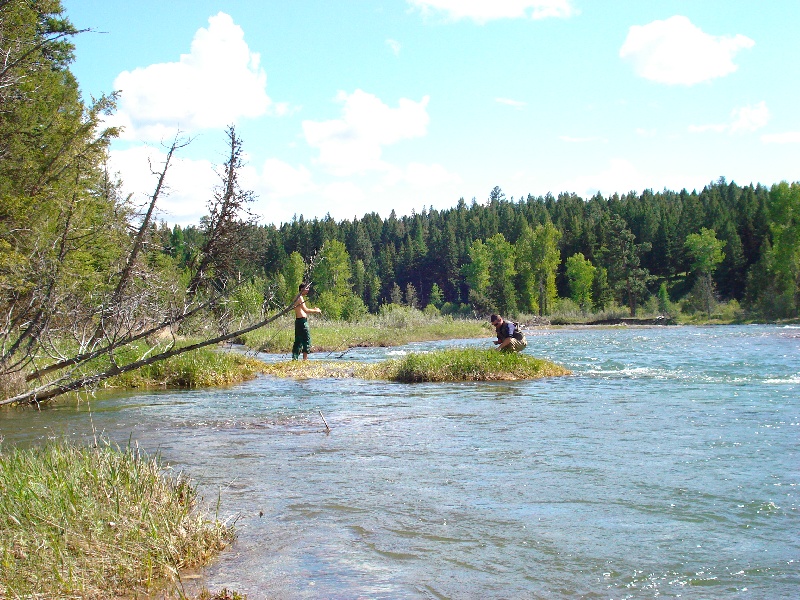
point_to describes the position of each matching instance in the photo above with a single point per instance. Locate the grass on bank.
(450, 365)
(97, 523)
(394, 326)
(205, 367)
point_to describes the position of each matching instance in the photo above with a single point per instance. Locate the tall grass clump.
(97, 523)
(457, 364)
(204, 367)
(467, 364)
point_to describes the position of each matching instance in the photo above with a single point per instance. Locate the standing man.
(302, 335)
(509, 337)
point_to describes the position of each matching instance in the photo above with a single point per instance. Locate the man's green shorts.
(302, 338)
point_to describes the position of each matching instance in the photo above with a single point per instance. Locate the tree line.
(725, 242)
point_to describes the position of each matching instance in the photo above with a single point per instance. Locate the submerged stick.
(324, 421)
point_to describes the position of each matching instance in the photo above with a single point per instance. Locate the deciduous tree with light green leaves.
(331, 278)
(501, 291)
(538, 257)
(706, 252)
(784, 256)
(580, 274)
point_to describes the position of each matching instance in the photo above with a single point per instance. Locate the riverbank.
(99, 522)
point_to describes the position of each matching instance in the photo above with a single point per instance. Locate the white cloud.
(214, 85)
(621, 176)
(278, 179)
(353, 144)
(750, 118)
(743, 120)
(189, 183)
(482, 11)
(394, 46)
(716, 127)
(510, 102)
(343, 193)
(427, 176)
(789, 137)
(675, 51)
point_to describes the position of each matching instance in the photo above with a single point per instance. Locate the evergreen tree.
(622, 257)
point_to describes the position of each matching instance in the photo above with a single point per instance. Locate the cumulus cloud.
(353, 144)
(278, 179)
(620, 176)
(789, 137)
(750, 118)
(677, 52)
(482, 11)
(217, 83)
(743, 120)
(427, 176)
(189, 183)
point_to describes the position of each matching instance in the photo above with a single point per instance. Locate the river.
(666, 466)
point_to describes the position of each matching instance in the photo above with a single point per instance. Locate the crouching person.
(509, 336)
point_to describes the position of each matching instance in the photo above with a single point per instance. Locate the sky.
(351, 107)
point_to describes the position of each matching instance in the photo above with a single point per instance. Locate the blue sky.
(352, 107)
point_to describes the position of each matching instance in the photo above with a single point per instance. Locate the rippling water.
(666, 466)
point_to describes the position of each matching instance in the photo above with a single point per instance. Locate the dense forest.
(725, 242)
(86, 272)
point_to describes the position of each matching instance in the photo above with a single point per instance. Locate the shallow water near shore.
(666, 466)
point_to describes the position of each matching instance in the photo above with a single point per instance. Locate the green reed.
(97, 523)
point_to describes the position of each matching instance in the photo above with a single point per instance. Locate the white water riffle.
(666, 466)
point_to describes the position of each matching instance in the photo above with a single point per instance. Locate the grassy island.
(97, 523)
(459, 364)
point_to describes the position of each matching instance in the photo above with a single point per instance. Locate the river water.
(667, 466)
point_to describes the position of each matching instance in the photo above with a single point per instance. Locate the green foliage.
(353, 308)
(331, 276)
(436, 297)
(501, 291)
(97, 523)
(293, 276)
(538, 258)
(664, 303)
(623, 259)
(784, 256)
(466, 364)
(247, 301)
(580, 273)
(451, 365)
(705, 250)
(205, 367)
(476, 271)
